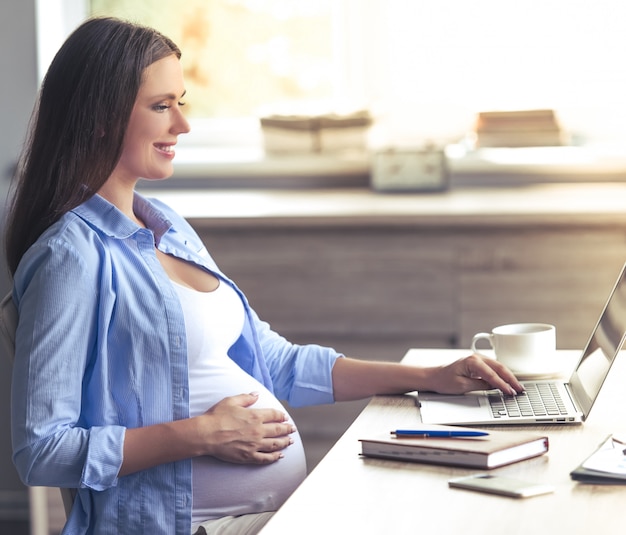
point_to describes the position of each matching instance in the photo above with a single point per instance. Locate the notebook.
(499, 448)
(575, 396)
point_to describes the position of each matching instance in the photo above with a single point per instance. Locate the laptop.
(568, 402)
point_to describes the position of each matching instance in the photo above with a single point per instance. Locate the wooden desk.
(346, 494)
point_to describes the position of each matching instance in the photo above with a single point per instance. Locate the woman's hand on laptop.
(357, 379)
(474, 373)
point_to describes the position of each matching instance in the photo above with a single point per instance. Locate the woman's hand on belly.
(234, 432)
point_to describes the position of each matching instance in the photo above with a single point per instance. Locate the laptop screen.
(602, 348)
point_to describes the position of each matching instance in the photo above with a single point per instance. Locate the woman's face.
(155, 123)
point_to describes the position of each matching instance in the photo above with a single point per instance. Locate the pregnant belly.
(221, 488)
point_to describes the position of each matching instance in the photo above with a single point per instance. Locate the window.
(424, 69)
(449, 59)
(240, 56)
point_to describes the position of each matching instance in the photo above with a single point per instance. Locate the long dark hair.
(79, 122)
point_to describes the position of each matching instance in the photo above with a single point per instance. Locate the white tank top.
(214, 321)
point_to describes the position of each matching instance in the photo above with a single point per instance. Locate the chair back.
(8, 325)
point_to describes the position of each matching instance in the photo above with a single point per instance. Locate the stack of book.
(330, 132)
(524, 128)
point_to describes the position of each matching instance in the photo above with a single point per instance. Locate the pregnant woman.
(142, 376)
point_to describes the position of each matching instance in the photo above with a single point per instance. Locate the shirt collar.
(106, 217)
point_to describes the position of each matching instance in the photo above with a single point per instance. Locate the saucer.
(555, 372)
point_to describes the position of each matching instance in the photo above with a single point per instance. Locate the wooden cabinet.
(382, 289)
(361, 284)
(554, 275)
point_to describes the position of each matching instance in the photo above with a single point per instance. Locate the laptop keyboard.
(539, 399)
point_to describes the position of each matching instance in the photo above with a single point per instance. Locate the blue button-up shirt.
(101, 347)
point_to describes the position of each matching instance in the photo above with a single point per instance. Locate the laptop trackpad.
(442, 409)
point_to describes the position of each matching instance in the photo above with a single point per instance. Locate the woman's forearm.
(153, 445)
(357, 379)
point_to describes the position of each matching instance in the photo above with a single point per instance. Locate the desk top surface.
(349, 494)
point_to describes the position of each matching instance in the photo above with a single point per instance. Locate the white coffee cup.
(521, 347)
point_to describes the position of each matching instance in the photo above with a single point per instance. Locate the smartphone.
(504, 486)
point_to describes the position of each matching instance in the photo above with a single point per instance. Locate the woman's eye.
(164, 107)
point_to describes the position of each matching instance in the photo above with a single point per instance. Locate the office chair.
(8, 327)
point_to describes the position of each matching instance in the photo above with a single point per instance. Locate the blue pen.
(434, 433)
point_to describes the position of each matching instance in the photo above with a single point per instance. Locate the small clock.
(409, 170)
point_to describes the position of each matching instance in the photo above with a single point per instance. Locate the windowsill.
(198, 167)
(522, 166)
(226, 168)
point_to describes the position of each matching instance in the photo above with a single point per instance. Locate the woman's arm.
(356, 379)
